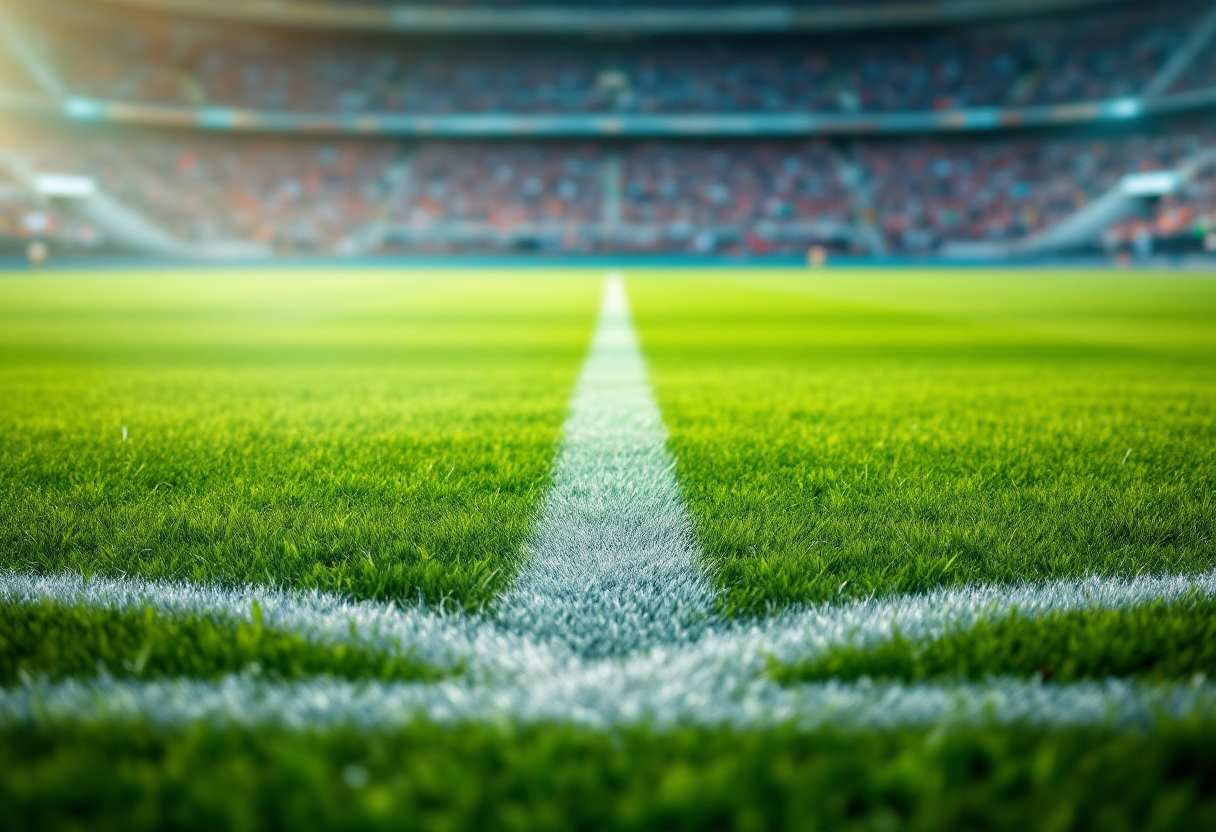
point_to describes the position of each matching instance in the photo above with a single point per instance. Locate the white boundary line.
(446, 639)
(717, 678)
(602, 698)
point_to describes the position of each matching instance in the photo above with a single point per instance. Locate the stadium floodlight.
(64, 186)
(84, 109)
(1130, 107)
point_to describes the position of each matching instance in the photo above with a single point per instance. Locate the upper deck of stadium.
(677, 141)
(166, 63)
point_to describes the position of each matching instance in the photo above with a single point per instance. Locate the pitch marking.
(613, 566)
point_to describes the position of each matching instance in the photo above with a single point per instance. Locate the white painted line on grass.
(809, 630)
(604, 700)
(439, 639)
(446, 639)
(718, 678)
(613, 566)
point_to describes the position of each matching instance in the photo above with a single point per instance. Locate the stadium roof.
(628, 17)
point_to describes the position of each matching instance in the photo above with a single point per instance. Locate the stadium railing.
(492, 125)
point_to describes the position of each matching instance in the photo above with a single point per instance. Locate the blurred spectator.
(504, 185)
(702, 196)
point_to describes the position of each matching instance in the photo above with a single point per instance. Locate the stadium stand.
(1183, 222)
(742, 191)
(299, 197)
(928, 193)
(731, 197)
(1201, 74)
(25, 218)
(1064, 59)
(707, 184)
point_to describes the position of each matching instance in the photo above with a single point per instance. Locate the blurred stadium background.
(952, 129)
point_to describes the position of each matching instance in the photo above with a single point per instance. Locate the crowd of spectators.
(501, 185)
(1107, 55)
(290, 194)
(1050, 60)
(735, 196)
(654, 196)
(310, 196)
(928, 193)
(708, 194)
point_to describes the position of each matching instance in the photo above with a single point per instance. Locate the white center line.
(613, 566)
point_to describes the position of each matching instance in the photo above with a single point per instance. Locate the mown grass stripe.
(612, 566)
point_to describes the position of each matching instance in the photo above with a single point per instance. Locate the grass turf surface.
(54, 641)
(379, 434)
(846, 433)
(1154, 642)
(547, 778)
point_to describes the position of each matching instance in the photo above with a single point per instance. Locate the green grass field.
(390, 436)
(379, 435)
(860, 433)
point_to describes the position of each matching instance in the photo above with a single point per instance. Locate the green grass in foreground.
(1155, 643)
(845, 433)
(55, 641)
(127, 778)
(382, 434)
